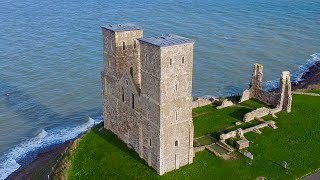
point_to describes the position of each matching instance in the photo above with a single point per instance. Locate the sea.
(51, 57)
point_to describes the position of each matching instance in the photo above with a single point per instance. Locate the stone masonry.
(281, 101)
(147, 101)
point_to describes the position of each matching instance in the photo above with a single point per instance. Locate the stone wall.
(240, 133)
(199, 102)
(176, 106)
(258, 113)
(225, 103)
(267, 97)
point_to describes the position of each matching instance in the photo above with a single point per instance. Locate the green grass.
(100, 155)
(254, 104)
(209, 120)
(243, 126)
(317, 91)
(204, 140)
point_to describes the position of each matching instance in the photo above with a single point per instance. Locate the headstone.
(248, 155)
(284, 164)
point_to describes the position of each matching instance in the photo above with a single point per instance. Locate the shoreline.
(311, 78)
(43, 163)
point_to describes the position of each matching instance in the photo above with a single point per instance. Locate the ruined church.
(147, 94)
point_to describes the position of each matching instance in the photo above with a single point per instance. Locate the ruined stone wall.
(266, 97)
(200, 102)
(280, 101)
(258, 113)
(257, 75)
(285, 91)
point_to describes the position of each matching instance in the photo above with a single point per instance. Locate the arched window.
(131, 71)
(176, 87)
(176, 115)
(132, 100)
(182, 60)
(134, 44)
(124, 45)
(176, 143)
(150, 142)
(170, 61)
(122, 91)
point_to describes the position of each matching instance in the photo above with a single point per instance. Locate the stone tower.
(147, 87)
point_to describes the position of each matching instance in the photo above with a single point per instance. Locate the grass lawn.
(254, 104)
(208, 119)
(101, 155)
(204, 140)
(314, 91)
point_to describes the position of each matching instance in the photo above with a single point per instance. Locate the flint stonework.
(147, 101)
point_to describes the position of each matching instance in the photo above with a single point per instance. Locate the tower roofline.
(122, 27)
(167, 40)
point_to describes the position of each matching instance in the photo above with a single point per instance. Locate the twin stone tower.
(147, 94)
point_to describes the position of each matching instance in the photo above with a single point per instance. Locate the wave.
(46, 138)
(296, 77)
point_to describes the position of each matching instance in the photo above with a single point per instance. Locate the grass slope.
(101, 155)
(314, 91)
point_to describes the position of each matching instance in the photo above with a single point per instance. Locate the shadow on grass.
(113, 139)
(216, 135)
(239, 113)
(234, 99)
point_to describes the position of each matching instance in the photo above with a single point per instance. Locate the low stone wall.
(258, 113)
(239, 132)
(228, 135)
(259, 126)
(225, 103)
(198, 149)
(199, 102)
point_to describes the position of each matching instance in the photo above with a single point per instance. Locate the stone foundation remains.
(199, 102)
(240, 133)
(225, 103)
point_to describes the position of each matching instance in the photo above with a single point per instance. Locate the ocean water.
(51, 57)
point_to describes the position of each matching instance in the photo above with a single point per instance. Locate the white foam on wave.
(8, 163)
(296, 76)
